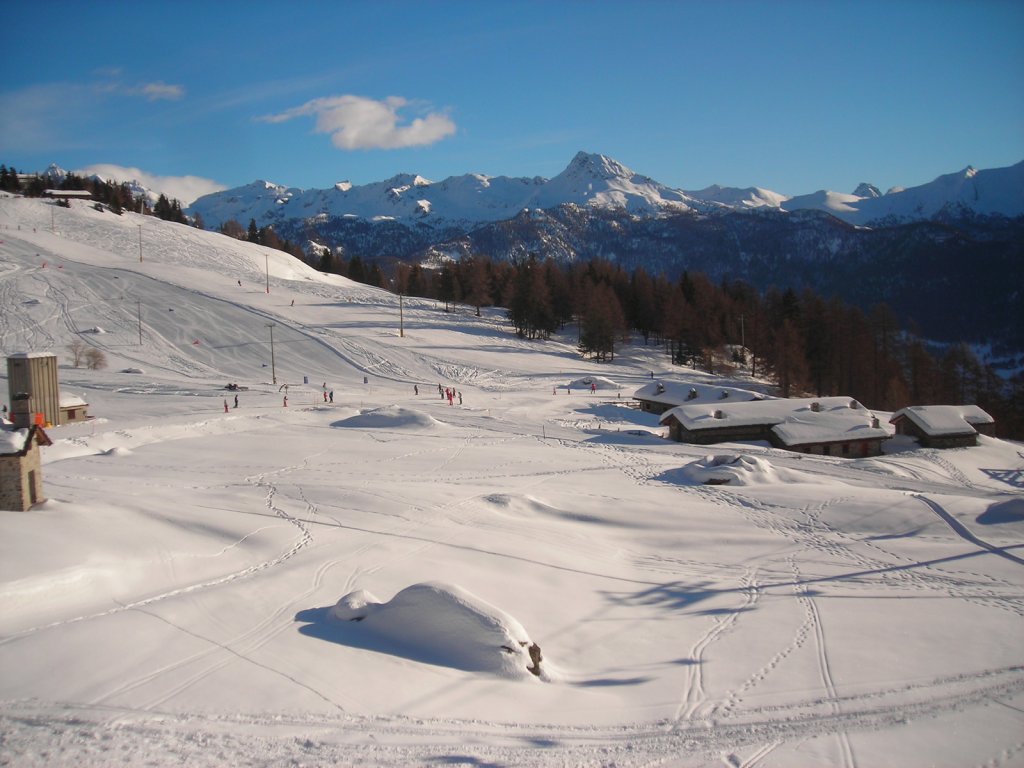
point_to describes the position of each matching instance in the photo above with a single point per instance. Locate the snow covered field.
(176, 600)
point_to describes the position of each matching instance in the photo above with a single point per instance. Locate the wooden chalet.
(829, 426)
(943, 426)
(659, 396)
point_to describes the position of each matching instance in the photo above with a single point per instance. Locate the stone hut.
(943, 426)
(828, 426)
(21, 479)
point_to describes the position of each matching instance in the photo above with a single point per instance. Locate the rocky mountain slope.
(932, 251)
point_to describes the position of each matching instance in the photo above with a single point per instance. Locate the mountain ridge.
(598, 181)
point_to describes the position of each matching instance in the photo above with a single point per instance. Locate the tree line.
(117, 197)
(808, 344)
(260, 236)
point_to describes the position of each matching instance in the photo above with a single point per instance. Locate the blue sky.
(792, 96)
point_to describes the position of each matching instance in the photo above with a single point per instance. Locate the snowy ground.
(171, 604)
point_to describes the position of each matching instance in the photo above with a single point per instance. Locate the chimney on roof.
(719, 415)
(816, 406)
(21, 410)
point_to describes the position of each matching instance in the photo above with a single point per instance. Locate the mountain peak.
(598, 166)
(867, 190)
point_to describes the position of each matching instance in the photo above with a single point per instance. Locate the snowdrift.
(446, 625)
(741, 469)
(598, 382)
(390, 417)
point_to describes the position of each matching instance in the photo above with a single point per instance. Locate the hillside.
(188, 593)
(921, 250)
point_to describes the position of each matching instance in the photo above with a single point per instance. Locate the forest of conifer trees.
(804, 342)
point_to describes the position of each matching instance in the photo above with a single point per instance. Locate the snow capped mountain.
(589, 181)
(599, 181)
(594, 181)
(866, 190)
(734, 197)
(998, 191)
(838, 204)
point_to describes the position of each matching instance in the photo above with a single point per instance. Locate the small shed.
(943, 426)
(21, 477)
(73, 409)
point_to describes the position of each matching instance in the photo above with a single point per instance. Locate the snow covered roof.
(71, 401)
(682, 392)
(68, 193)
(945, 419)
(797, 421)
(12, 440)
(24, 355)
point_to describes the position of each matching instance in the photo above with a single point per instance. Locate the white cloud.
(159, 91)
(355, 122)
(186, 189)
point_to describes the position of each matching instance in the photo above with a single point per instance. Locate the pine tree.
(476, 281)
(447, 285)
(355, 269)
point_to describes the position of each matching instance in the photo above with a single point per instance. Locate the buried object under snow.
(741, 469)
(447, 625)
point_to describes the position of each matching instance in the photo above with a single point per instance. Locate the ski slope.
(174, 601)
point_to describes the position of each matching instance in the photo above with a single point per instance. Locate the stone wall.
(16, 493)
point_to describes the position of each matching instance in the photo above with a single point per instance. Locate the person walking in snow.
(416, 389)
(593, 387)
(325, 395)
(225, 405)
(460, 398)
(286, 401)
(331, 395)
(236, 401)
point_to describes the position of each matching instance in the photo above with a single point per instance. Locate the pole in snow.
(273, 368)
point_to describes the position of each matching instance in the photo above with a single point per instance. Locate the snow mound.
(447, 625)
(600, 382)
(94, 329)
(117, 451)
(132, 370)
(391, 417)
(527, 506)
(741, 469)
